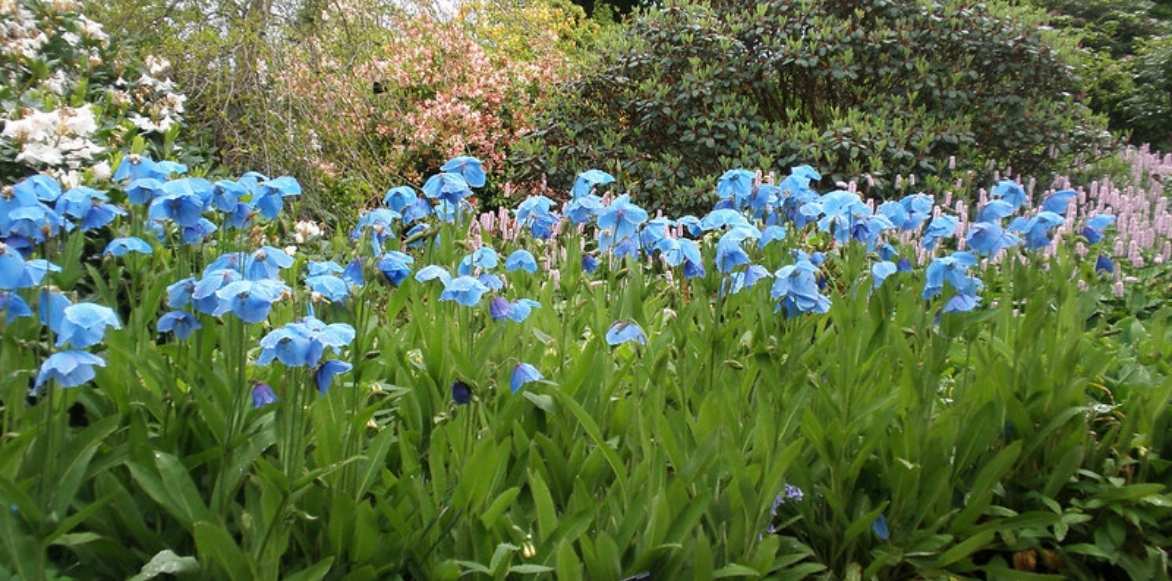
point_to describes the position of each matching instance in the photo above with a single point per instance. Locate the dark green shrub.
(876, 86)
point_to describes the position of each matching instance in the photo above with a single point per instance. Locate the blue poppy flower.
(204, 292)
(134, 166)
(262, 395)
(37, 188)
(179, 293)
(1104, 264)
(622, 218)
(324, 376)
(266, 262)
(51, 306)
(226, 195)
(654, 231)
(400, 197)
(498, 308)
(942, 226)
(123, 246)
(988, 238)
(179, 203)
(867, 227)
(836, 212)
(433, 272)
(735, 185)
(84, 325)
(1037, 228)
(1096, 226)
(520, 309)
(492, 281)
(13, 306)
(723, 218)
(68, 369)
(589, 263)
(483, 258)
(796, 289)
(691, 225)
(542, 226)
(904, 265)
(583, 209)
(588, 180)
(995, 211)
(76, 202)
(271, 199)
(1010, 191)
(380, 222)
(13, 272)
(448, 187)
(329, 286)
(521, 260)
(729, 252)
(34, 223)
(624, 332)
(470, 168)
(181, 323)
(353, 273)
(918, 208)
(880, 271)
(395, 266)
(524, 373)
(415, 211)
(532, 207)
(879, 527)
(741, 280)
(775, 233)
(197, 233)
(461, 392)
(99, 216)
(952, 270)
(1058, 201)
(320, 267)
(465, 290)
(249, 300)
(303, 343)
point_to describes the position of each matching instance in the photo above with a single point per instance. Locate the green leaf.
(735, 570)
(166, 562)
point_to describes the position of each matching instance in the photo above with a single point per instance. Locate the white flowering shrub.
(68, 98)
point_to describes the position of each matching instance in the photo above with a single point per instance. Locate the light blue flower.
(747, 278)
(520, 310)
(465, 290)
(1037, 228)
(775, 233)
(179, 293)
(588, 180)
(723, 218)
(483, 258)
(524, 373)
(735, 185)
(13, 306)
(179, 203)
(271, 198)
(622, 218)
(250, 300)
(143, 191)
(691, 225)
(879, 527)
(449, 187)
(521, 260)
(76, 202)
(582, 209)
(880, 271)
(68, 369)
(324, 376)
(942, 226)
(84, 325)
(330, 287)
(654, 231)
(37, 188)
(952, 271)
(204, 293)
(123, 246)
(470, 168)
(995, 211)
(433, 272)
(181, 323)
(795, 288)
(51, 305)
(399, 198)
(624, 332)
(988, 238)
(226, 195)
(197, 233)
(34, 223)
(133, 167)
(396, 266)
(266, 262)
(1010, 191)
(303, 343)
(1096, 226)
(1058, 201)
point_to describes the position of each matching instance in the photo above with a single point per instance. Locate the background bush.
(876, 87)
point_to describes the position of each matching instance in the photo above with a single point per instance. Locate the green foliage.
(886, 88)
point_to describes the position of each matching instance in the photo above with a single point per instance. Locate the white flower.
(101, 171)
(305, 230)
(37, 152)
(290, 250)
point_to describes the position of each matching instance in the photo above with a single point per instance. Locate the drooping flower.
(988, 238)
(181, 323)
(795, 288)
(1058, 201)
(1103, 264)
(520, 309)
(1037, 228)
(180, 202)
(953, 271)
(470, 168)
(123, 246)
(447, 186)
(747, 278)
(399, 198)
(179, 293)
(226, 195)
(84, 325)
(270, 199)
(483, 258)
(461, 392)
(204, 292)
(1096, 226)
(465, 290)
(942, 226)
(524, 373)
(1010, 191)
(995, 211)
(51, 305)
(588, 180)
(266, 263)
(521, 260)
(13, 306)
(589, 263)
(395, 266)
(250, 300)
(624, 332)
(582, 209)
(879, 527)
(498, 308)
(68, 369)
(324, 376)
(622, 218)
(723, 218)
(303, 343)
(735, 185)
(433, 272)
(880, 271)
(774, 233)
(330, 287)
(262, 395)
